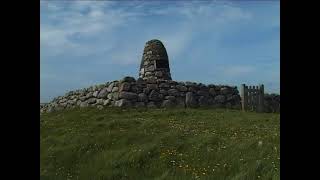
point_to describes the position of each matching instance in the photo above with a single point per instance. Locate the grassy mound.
(159, 144)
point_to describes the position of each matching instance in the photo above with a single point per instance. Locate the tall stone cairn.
(155, 62)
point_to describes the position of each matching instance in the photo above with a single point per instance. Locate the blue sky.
(83, 43)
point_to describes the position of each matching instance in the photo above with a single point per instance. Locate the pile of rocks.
(42, 105)
(155, 61)
(272, 103)
(152, 92)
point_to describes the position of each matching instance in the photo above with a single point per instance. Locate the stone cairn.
(155, 62)
(153, 89)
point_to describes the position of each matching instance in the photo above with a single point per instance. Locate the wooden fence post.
(243, 94)
(261, 98)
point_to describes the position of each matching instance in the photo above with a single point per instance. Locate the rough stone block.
(154, 96)
(191, 100)
(125, 86)
(142, 97)
(115, 89)
(128, 95)
(168, 104)
(220, 99)
(173, 92)
(182, 88)
(123, 103)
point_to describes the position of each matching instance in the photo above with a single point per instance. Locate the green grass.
(159, 144)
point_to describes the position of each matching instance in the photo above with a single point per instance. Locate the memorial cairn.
(153, 89)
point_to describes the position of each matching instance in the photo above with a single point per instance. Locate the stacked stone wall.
(151, 93)
(272, 103)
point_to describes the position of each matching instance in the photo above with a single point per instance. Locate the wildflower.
(260, 143)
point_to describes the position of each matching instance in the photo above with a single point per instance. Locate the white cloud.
(100, 20)
(197, 17)
(238, 70)
(130, 56)
(79, 5)
(215, 11)
(176, 43)
(53, 7)
(232, 14)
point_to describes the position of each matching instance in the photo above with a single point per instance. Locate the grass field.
(159, 144)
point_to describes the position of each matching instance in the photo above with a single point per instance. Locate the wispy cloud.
(237, 70)
(79, 20)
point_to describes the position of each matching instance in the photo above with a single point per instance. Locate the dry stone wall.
(150, 93)
(272, 103)
(153, 89)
